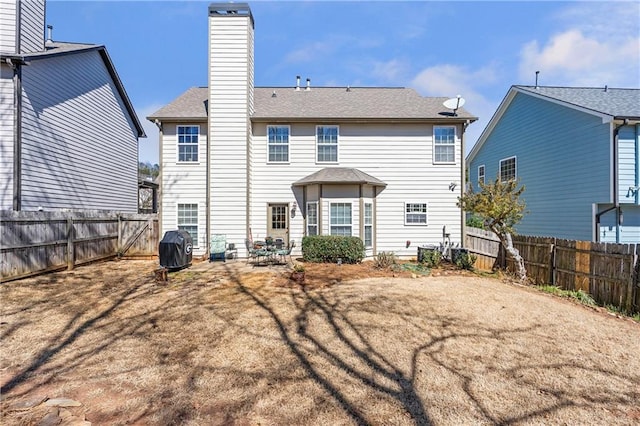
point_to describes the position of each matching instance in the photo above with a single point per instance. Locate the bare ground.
(230, 344)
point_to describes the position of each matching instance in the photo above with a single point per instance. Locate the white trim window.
(368, 225)
(340, 220)
(508, 169)
(327, 144)
(188, 143)
(415, 213)
(312, 218)
(278, 144)
(481, 174)
(444, 144)
(188, 220)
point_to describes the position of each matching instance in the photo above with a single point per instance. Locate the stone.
(26, 404)
(50, 419)
(62, 402)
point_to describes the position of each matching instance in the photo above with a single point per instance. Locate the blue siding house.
(577, 152)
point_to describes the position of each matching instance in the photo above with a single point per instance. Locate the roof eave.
(443, 119)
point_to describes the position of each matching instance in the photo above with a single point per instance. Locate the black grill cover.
(175, 249)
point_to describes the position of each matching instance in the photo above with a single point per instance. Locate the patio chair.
(253, 253)
(283, 253)
(218, 247)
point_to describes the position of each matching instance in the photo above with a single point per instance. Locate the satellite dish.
(454, 103)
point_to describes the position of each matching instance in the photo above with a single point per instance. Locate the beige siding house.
(383, 164)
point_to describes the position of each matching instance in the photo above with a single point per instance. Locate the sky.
(477, 50)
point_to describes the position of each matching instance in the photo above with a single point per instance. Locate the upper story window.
(444, 145)
(327, 144)
(481, 174)
(188, 143)
(278, 144)
(415, 213)
(508, 169)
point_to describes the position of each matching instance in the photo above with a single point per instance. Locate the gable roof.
(339, 175)
(54, 49)
(608, 103)
(322, 103)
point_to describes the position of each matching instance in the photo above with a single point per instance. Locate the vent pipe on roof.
(308, 84)
(297, 82)
(537, 72)
(348, 88)
(49, 35)
(605, 88)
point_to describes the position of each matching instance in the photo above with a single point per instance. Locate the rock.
(62, 402)
(26, 404)
(51, 419)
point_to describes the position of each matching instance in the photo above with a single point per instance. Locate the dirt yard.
(228, 344)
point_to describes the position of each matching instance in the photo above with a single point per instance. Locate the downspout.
(616, 202)
(17, 134)
(463, 184)
(158, 124)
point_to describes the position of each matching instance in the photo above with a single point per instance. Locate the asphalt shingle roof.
(322, 103)
(339, 175)
(610, 101)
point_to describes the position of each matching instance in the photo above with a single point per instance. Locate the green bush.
(466, 260)
(431, 258)
(385, 260)
(475, 222)
(330, 248)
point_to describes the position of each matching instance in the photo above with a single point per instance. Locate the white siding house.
(383, 164)
(69, 132)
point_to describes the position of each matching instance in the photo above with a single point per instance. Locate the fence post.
(552, 261)
(119, 232)
(70, 244)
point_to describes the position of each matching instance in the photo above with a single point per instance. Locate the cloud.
(389, 71)
(452, 80)
(595, 45)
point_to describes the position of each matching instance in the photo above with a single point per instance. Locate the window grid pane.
(188, 220)
(188, 143)
(278, 217)
(327, 143)
(416, 213)
(312, 218)
(444, 144)
(480, 174)
(340, 215)
(508, 169)
(368, 225)
(278, 141)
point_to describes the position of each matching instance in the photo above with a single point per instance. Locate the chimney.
(308, 85)
(297, 82)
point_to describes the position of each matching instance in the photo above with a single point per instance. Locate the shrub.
(330, 248)
(431, 258)
(475, 222)
(466, 260)
(385, 260)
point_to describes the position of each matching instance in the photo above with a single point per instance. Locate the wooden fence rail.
(610, 273)
(37, 242)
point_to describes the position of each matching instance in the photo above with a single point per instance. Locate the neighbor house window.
(368, 225)
(327, 144)
(312, 218)
(481, 174)
(444, 145)
(340, 219)
(415, 213)
(508, 169)
(278, 143)
(188, 143)
(188, 220)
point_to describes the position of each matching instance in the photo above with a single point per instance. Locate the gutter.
(616, 201)
(463, 184)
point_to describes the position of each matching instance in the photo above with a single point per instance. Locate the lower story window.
(368, 225)
(188, 220)
(312, 218)
(340, 219)
(415, 213)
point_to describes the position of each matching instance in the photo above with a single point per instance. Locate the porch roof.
(338, 176)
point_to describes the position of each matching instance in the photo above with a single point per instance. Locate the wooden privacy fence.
(37, 242)
(608, 272)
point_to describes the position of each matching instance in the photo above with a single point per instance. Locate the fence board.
(37, 242)
(609, 272)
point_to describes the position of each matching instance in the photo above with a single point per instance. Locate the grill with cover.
(176, 249)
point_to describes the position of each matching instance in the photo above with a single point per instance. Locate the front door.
(278, 222)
